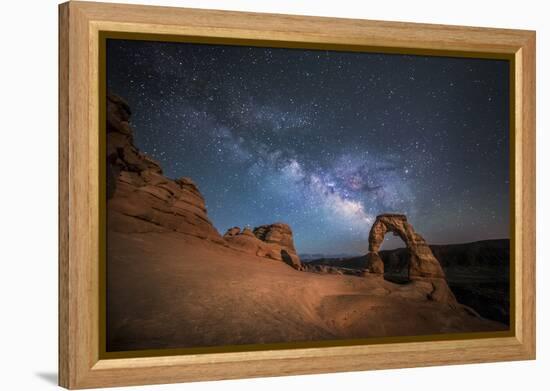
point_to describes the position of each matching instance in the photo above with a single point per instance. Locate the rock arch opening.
(396, 258)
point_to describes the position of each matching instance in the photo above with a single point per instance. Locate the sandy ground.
(170, 290)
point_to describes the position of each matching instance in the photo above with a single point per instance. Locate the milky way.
(325, 140)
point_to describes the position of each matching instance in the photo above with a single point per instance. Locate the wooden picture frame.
(80, 290)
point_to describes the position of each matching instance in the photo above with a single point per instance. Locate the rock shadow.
(287, 258)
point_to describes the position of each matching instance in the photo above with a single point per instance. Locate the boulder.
(273, 241)
(278, 233)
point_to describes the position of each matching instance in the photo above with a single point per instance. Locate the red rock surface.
(170, 290)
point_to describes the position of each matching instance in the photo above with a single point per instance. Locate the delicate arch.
(422, 263)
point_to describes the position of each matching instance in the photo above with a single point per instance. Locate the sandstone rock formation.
(277, 233)
(272, 241)
(139, 197)
(422, 263)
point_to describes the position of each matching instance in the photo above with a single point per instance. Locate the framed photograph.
(247, 195)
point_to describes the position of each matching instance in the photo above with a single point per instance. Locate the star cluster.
(325, 140)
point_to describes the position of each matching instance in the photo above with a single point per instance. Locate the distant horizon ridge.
(314, 256)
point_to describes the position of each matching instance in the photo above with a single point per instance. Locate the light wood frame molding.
(80, 24)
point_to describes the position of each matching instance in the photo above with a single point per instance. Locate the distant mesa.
(141, 199)
(305, 257)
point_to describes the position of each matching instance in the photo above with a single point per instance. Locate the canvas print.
(258, 196)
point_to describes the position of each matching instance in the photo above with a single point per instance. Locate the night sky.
(325, 140)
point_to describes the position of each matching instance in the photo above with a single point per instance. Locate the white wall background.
(28, 194)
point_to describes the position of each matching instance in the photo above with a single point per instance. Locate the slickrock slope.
(478, 273)
(173, 281)
(169, 290)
